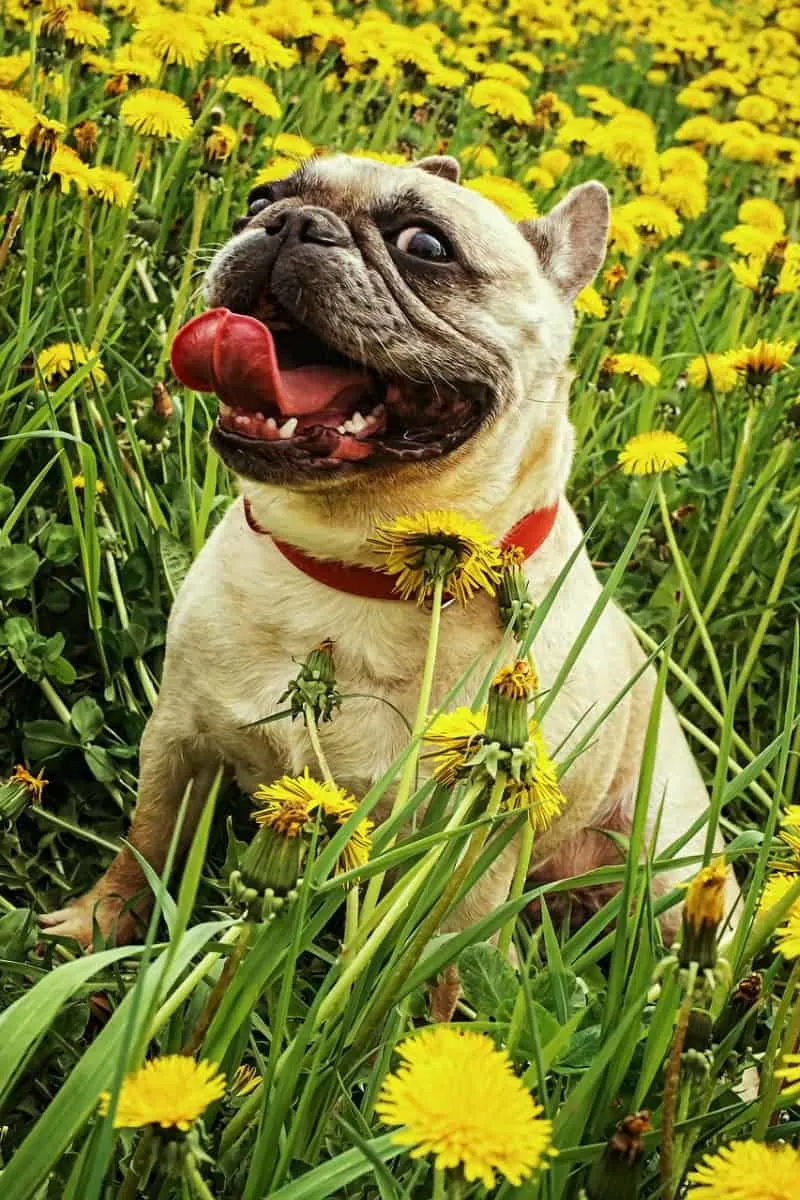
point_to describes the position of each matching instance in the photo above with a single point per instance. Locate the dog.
(383, 341)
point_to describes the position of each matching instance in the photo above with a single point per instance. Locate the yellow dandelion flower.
(555, 161)
(718, 367)
(624, 54)
(622, 234)
(507, 74)
(684, 160)
(789, 1071)
(456, 1096)
(442, 544)
(247, 41)
(171, 1092)
(775, 889)
(245, 1080)
(256, 93)
(637, 366)
(13, 68)
(526, 58)
(482, 158)
(760, 213)
(764, 359)
(745, 146)
(649, 453)
(750, 239)
(110, 185)
(56, 362)
(533, 782)
(687, 195)
(677, 258)
(657, 76)
(601, 101)
(68, 167)
(287, 805)
(701, 129)
(79, 483)
(538, 177)
(33, 784)
(696, 98)
(292, 145)
(788, 281)
(590, 302)
(652, 215)
(507, 194)
(84, 29)
(747, 272)
(578, 132)
(748, 1171)
(759, 109)
(501, 100)
(455, 735)
(156, 114)
(173, 41)
(276, 168)
(390, 157)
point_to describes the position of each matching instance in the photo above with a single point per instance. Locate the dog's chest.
(379, 656)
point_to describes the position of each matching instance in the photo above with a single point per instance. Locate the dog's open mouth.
(287, 396)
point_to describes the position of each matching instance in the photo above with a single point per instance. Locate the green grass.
(106, 498)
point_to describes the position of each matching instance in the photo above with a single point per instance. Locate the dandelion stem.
(420, 720)
(215, 996)
(671, 1082)
(185, 989)
(429, 927)
(139, 1166)
(730, 498)
(316, 744)
(517, 885)
(195, 1179)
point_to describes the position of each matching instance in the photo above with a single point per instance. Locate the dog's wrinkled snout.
(308, 224)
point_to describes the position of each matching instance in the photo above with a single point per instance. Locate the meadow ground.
(130, 134)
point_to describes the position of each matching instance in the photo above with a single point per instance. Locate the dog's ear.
(570, 242)
(443, 165)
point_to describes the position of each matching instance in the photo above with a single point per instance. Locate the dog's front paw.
(79, 920)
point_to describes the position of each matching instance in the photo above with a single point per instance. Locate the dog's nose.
(309, 224)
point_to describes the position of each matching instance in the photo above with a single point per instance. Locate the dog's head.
(371, 319)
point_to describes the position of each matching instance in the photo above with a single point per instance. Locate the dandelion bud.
(616, 1174)
(314, 686)
(702, 913)
(509, 697)
(513, 594)
(699, 1031)
(273, 859)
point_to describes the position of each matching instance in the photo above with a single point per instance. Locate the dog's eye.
(421, 243)
(258, 206)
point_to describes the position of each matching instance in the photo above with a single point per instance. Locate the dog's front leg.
(167, 766)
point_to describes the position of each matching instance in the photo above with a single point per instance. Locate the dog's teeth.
(357, 422)
(341, 429)
(287, 430)
(272, 424)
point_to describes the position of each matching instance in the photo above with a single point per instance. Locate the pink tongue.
(234, 356)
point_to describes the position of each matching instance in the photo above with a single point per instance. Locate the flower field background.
(130, 135)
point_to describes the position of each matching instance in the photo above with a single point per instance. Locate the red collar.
(529, 533)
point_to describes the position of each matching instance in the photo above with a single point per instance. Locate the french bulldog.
(383, 341)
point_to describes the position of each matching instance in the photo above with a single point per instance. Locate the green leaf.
(61, 544)
(328, 1180)
(488, 981)
(581, 1052)
(18, 566)
(87, 718)
(46, 739)
(100, 763)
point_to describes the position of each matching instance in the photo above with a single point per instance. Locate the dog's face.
(398, 321)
